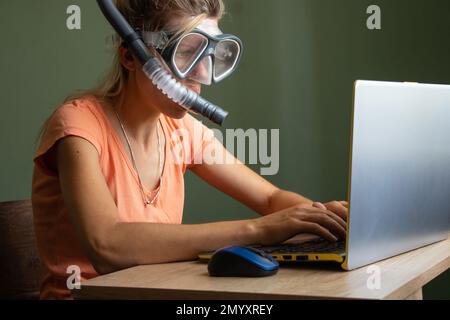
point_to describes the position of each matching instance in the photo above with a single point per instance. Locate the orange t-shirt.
(57, 242)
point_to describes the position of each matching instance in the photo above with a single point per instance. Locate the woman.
(108, 188)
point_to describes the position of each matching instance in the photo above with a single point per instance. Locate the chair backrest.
(20, 266)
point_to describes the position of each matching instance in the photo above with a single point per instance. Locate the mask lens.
(202, 73)
(226, 56)
(189, 50)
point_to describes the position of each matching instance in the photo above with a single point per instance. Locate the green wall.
(301, 58)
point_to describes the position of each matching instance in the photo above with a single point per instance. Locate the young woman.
(108, 188)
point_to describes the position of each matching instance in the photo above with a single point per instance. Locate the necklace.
(147, 201)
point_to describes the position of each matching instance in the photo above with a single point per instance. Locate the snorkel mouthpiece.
(180, 94)
(155, 71)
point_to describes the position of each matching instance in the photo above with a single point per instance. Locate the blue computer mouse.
(235, 261)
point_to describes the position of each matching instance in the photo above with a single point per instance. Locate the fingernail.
(320, 205)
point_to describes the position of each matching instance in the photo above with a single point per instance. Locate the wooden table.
(402, 277)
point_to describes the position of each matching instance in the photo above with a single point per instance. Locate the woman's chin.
(180, 115)
(175, 111)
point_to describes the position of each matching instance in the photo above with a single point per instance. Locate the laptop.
(399, 182)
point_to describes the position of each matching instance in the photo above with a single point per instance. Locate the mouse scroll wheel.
(260, 252)
(255, 250)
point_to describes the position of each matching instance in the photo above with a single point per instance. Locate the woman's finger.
(317, 229)
(319, 205)
(331, 214)
(338, 208)
(344, 203)
(337, 218)
(324, 220)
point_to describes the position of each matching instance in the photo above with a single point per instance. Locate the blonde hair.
(153, 15)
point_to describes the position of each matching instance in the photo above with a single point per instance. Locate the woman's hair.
(153, 15)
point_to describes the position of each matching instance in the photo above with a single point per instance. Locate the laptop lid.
(400, 170)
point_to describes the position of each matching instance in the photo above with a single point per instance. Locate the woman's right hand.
(280, 226)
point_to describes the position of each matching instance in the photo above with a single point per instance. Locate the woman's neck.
(139, 118)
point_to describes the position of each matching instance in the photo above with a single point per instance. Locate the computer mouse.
(236, 261)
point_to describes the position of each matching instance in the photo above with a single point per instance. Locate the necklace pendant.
(147, 202)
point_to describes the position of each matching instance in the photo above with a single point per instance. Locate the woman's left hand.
(338, 207)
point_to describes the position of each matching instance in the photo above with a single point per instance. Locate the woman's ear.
(126, 58)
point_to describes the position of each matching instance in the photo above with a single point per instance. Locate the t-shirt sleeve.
(75, 118)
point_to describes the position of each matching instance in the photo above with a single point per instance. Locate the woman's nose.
(201, 71)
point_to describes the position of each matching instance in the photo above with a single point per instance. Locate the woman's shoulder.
(84, 106)
(83, 112)
(77, 117)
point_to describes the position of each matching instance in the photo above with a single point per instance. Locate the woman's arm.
(111, 244)
(241, 183)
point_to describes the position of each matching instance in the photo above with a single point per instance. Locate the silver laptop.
(399, 188)
(400, 170)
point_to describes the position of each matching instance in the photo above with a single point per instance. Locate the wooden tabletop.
(401, 277)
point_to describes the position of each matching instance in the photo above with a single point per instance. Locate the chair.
(20, 265)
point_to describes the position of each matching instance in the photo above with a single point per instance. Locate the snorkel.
(155, 71)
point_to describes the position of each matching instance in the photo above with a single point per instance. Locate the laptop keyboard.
(313, 246)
